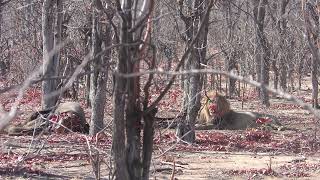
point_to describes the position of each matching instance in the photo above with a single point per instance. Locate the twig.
(95, 160)
(173, 170)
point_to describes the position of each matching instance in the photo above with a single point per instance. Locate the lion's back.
(74, 107)
(240, 120)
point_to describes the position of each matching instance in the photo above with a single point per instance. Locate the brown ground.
(215, 155)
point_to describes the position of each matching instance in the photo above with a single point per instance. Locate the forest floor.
(216, 154)
(249, 154)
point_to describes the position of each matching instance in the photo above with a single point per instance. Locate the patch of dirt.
(217, 154)
(215, 165)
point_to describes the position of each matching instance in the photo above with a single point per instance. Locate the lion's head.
(222, 105)
(213, 105)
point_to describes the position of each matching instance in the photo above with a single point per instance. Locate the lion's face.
(213, 105)
(217, 104)
(222, 105)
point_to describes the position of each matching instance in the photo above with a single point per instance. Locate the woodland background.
(126, 60)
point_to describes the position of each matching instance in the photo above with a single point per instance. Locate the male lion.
(224, 117)
(205, 116)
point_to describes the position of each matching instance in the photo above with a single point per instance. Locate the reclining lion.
(224, 117)
(68, 116)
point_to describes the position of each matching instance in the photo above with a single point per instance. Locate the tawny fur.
(74, 107)
(205, 116)
(233, 120)
(36, 123)
(226, 118)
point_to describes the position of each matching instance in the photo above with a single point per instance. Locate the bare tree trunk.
(2, 62)
(276, 74)
(283, 74)
(291, 68)
(193, 83)
(127, 95)
(312, 31)
(231, 55)
(58, 31)
(263, 45)
(119, 150)
(50, 63)
(257, 55)
(132, 106)
(282, 28)
(314, 79)
(300, 71)
(148, 134)
(87, 32)
(1, 18)
(232, 81)
(99, 77)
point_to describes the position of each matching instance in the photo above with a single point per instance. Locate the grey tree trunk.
(301, 71)
(58, 32)
(127, 94)
(119, 151)
(312, 31)
(282, 28)
(132, 159)
(276, 74)
(99, 77)
(231, 55)
(87, 43)
(50, 62)
(2, 62)
(264, 47)
(193, 83)
(283, 74)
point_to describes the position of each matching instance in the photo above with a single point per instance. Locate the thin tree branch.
(166, 89)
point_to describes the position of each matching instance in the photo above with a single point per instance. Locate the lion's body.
(226, 118)
(38, 121)
(233, 120)
(26, 128)
(71, 107)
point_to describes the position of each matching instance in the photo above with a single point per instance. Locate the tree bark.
(282, 28)
(50, 63)
(276, 74)
(119, 97)
(193, 83)
(99, 77)
(263, 45)
(87, 43)
(126, 118)
(311, 19)
(232, 54)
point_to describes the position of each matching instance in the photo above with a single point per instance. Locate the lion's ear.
(218, 94)
(210, 95)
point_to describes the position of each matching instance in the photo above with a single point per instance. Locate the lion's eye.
(210, 101)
